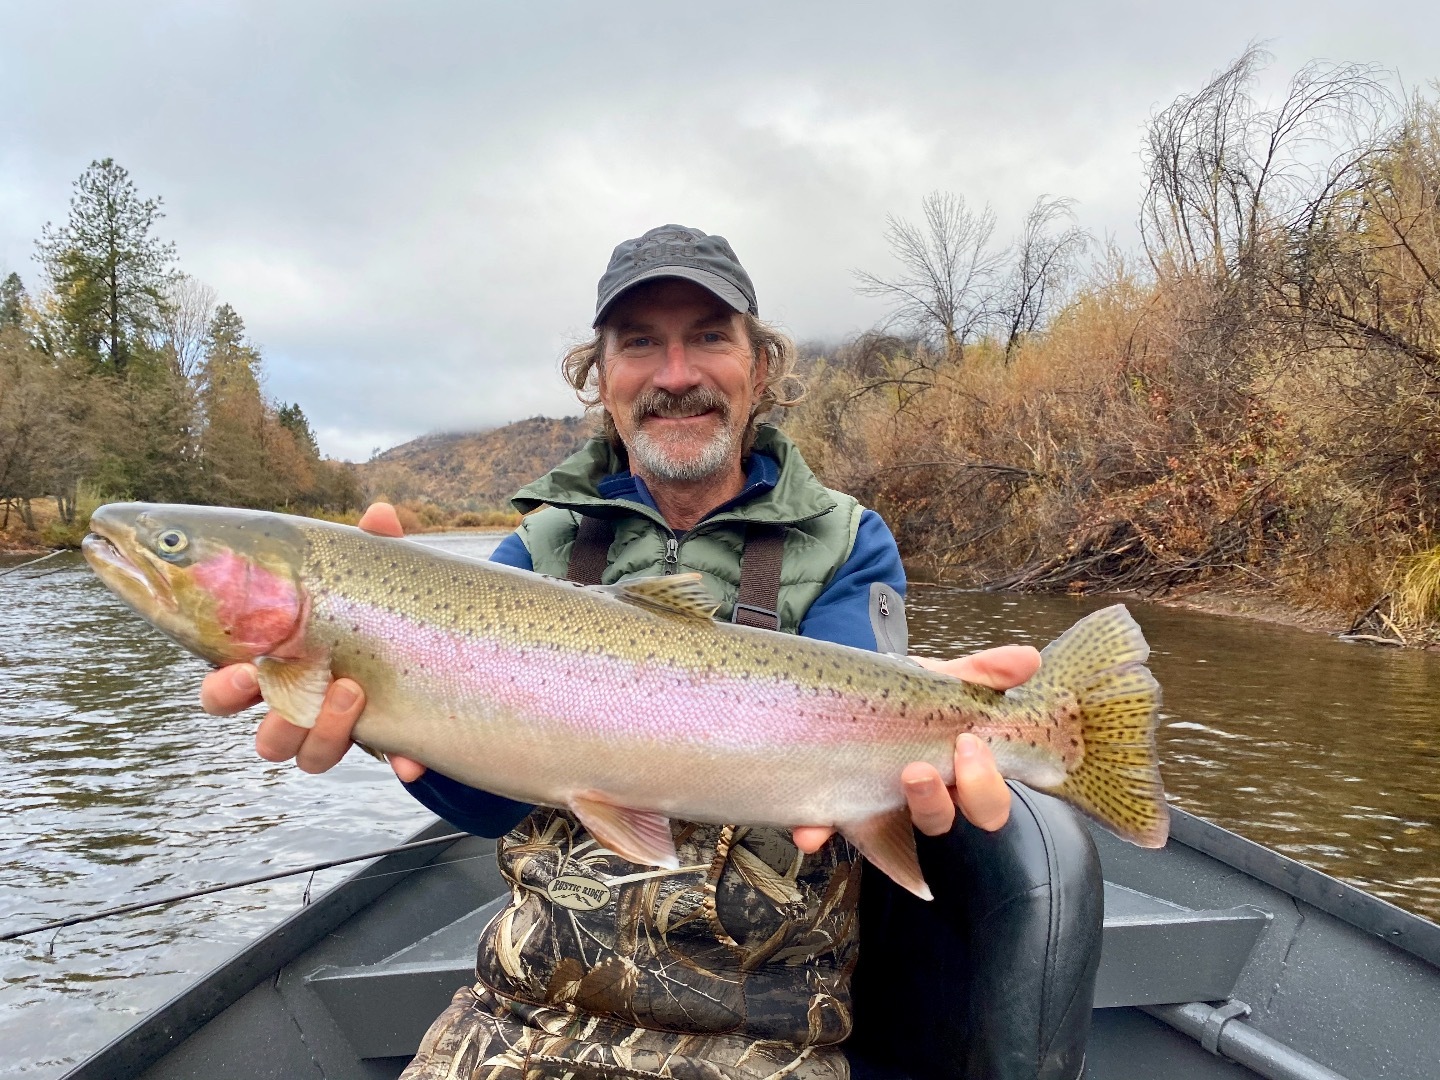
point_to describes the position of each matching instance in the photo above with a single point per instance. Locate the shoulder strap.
(758, 601)
(591, 550)
(756, 604)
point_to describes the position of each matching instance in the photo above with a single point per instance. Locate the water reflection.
(118, 786)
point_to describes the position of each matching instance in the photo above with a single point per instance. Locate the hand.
(235, 687)
(979, 789)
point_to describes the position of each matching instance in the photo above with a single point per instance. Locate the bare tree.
(947, 272)
(1225, 175)
(184, 322)
(1043, 266)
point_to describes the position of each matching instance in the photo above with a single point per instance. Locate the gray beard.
(652, 455)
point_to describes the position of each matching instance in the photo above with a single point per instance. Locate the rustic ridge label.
(578, 893)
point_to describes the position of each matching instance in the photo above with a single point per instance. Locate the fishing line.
(125, 909)
(32, 562)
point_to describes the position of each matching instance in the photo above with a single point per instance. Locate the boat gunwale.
(142, 1045)
(1410, 933)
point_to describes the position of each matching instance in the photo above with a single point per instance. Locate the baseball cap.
(673, 251)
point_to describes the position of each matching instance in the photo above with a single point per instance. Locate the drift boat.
(1222, 960)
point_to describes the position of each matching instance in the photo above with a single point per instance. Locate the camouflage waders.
(736, 966)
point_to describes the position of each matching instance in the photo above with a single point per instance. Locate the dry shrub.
(1120, 448)
(1262, 409)
(486, 519)
(1418, 593)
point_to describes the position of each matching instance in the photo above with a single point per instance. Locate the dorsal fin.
(669, 594)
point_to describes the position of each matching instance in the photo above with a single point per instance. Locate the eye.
(172, 542)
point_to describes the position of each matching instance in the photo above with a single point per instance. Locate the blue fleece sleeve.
(842, 612)
(468, 808)
(513, 552)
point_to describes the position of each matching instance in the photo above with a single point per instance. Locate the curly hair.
(783, 388)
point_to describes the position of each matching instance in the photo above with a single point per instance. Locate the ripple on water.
(121, 787)
(1300, 742)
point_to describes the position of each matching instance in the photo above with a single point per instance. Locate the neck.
(684, 503)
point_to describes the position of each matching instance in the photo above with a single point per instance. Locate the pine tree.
(108, 270)
(252, 457)
(293, 418)
(12, 300)
(231, 367)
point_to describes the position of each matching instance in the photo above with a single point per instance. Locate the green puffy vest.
(821, 526)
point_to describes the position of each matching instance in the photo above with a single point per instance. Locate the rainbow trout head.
(224, 584)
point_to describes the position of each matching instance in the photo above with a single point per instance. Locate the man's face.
(679, 380)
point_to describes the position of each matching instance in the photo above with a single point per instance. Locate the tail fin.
(1101, 661)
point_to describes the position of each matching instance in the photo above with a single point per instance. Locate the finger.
(999, 668)
(979, 788)
(229, 690)
(811, 838)
(407, 770)
(931, 808)
(381, 519)
(327, 742)
(276, 739)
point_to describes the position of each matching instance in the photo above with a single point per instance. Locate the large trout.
(628, 704)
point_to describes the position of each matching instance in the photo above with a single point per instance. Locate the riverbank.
(1262, 606)
(51, 533)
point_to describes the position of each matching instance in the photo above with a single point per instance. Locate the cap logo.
(667, 246)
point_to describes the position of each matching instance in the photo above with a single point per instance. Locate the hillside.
(476, 471)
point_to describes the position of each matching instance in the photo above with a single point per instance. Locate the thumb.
(406, 769)
(381, 519)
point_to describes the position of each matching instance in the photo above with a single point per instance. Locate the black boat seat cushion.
(995, 978)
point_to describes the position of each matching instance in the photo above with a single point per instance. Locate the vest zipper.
(672, 555)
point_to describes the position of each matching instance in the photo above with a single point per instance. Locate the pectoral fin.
(888, 841)
(295, 688)
(641, 836)
(683, 595)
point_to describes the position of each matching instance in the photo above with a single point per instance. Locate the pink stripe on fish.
(598, 695)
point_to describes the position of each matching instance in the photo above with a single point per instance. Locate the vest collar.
(779, 486)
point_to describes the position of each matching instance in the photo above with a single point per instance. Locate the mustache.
(657, 402)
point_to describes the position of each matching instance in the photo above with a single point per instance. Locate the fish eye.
(172, 542)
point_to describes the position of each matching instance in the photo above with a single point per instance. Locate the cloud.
(410, 204)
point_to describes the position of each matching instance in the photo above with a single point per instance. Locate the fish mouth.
(136, 583)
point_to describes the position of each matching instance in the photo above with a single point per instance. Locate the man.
(739, 964)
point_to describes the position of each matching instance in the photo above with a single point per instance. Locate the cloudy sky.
(410, 203)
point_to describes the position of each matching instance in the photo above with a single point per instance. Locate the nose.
(677, 372)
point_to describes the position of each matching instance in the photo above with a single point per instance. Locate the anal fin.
(888, 841)
(295, 688)
(641, 836)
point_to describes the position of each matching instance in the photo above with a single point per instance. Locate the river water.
(118, 787)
